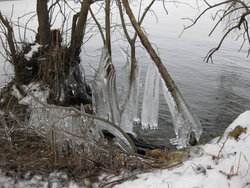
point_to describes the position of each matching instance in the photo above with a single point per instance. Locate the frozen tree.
(104, 90)
(57, 65)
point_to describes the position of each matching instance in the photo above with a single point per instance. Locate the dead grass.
(23, 151)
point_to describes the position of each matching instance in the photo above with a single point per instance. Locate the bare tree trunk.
(43, 22)
(133, 61)
(107, 26)
(61, 70)
(79, 30)
(145, 42)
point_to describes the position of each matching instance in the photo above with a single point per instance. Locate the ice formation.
(122, 111)
(70, 128)
(104, 90)
(73, 86)
(59, 125)
(34, 49)
(36, 95)
(150, 103)
(129, 99)
(184, 120)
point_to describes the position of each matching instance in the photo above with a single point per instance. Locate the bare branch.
(143, 16)
(9, 35)
(98, 25)
(212, 51)
(107, 26)
(232, 12)
(123, 22)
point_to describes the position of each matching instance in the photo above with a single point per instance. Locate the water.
(216, 92)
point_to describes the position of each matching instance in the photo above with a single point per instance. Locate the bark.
(133, 61)
(43, 22)
(73, 29)
(79, 30)
(146, 43)
(107, 26)
(61, 70)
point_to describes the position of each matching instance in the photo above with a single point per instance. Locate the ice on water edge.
(184, 120)
(122, 111)
(104, 90)
(68, 128)
(150, 103)
(129, 98)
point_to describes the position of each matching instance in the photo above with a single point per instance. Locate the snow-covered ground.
(222, 163)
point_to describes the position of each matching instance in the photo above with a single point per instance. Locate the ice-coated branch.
(122, 111)
(184, 120)
(68, 125)
(104, 90)
(129, 98)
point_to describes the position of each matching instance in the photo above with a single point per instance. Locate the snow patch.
(15, 92)
(34, 48)
(35, 95)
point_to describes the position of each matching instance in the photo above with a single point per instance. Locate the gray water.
(216, 92)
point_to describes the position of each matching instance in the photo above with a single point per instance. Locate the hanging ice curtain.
(150, 103)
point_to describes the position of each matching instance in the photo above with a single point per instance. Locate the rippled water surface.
(216, 92)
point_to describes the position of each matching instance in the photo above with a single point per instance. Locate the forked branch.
(9, 36)
(234, 14)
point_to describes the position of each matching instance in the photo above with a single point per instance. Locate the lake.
(216, 92)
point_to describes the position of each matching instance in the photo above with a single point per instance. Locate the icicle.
(64, 126)
(129, 98)
(105, 96)
(150, 103)
(61, 94)
(125, 84)
(184, 120)
(136, 87)
(104, 90)
(61, 126)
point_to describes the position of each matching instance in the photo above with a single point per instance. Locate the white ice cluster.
(129, 102)
(150, 103)
(184, 120)
(104, 90)
(69, 128)
(123, 110)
